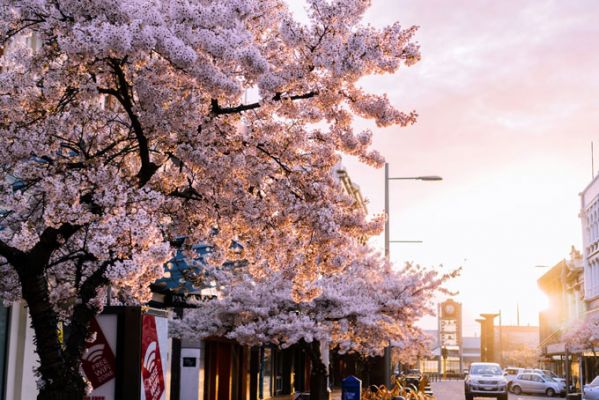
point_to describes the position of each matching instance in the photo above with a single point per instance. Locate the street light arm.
(417, 178)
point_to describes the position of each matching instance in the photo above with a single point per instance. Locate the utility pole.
(387, 356)
(500, 340)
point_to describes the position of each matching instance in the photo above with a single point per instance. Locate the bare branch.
(218, 110)
(275, 158)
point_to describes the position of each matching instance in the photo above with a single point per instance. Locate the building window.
(591, 282)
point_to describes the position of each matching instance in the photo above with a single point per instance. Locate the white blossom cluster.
(582, 335)
(363, 310)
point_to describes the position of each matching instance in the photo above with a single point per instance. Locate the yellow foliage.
(400, 388)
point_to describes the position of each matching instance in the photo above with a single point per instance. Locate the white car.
(510, 373)
(591, 391)
(485, 380)
(552, 374)
(536, 383)
(546, 373)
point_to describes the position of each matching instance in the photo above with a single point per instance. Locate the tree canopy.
(125, 127)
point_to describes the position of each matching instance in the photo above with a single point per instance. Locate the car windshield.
(485, 370)
(548, 378)
(595, 381)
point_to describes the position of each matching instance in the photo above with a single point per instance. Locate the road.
(454, 390)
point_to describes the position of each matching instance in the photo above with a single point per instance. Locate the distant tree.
(521, 356)
(362, 310)
(583, 336)
(126, 129)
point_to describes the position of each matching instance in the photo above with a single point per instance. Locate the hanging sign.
(98, 363)
(151, 360)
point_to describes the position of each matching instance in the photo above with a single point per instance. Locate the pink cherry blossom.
(123, 126)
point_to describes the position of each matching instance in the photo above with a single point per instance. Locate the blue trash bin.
(351, 388)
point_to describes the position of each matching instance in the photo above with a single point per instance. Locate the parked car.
(590, 391)
(412, 378)
(546, 372)
(485, 380)
(534, 382)
(510, 373)
(552, 374)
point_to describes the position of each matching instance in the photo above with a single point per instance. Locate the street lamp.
(427, 178)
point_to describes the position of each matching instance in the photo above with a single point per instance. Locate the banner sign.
(151, 361)
(98, 363)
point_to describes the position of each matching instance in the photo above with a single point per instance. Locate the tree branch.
(12, 254)
(275, 159)
(48, 243)
(84, 312)
(148, 168)
(218, 110)
(28, 23)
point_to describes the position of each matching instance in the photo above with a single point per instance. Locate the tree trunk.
(61, 378)
(319, 387)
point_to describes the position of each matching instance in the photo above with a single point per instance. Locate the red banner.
(151, 362)
(98, 363)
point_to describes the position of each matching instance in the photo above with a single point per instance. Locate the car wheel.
(550, 392)
(516, 389)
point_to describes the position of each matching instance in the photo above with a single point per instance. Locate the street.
(454, 390)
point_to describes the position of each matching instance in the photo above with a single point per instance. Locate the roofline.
(589, 185)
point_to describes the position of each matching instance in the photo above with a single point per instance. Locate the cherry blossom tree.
(583, 336)
(521, 356)
(126, 128)
(362, 310)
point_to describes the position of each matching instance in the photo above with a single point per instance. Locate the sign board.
(99, 361)
(154, 337)
(556, 348)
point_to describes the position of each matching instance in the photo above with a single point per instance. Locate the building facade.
(564, 287)
(589, 218)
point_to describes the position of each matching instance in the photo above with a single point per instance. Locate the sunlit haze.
(507, 99)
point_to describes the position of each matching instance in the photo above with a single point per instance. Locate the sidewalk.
(335, 395)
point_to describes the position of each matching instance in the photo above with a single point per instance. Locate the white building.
(589, 215)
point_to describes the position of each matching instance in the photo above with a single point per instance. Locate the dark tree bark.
(59, 363)
(58, 368)
(319, 387)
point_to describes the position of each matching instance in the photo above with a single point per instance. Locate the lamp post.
(388, 242)
(387, 179)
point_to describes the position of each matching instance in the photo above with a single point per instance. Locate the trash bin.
(351, 388)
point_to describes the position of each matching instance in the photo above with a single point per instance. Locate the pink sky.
(508, 98)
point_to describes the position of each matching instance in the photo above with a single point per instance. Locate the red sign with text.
(151, 362)
(98, 363)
